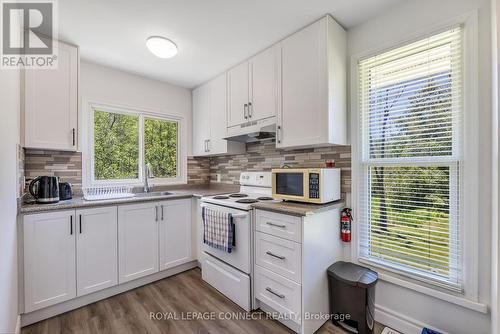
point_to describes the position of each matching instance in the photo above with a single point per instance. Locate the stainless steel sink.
(154, 193)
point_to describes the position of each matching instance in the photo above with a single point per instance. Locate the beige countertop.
(178, 192)
(298, 209)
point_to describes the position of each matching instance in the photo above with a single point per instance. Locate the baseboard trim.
(48, 312)
(401, 322)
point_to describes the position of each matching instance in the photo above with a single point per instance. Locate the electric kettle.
(45, 189)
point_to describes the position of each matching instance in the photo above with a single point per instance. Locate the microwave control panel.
(313, 185)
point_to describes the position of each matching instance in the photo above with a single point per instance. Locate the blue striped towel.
(218, 229)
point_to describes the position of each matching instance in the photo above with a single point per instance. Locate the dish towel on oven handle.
(218, 229)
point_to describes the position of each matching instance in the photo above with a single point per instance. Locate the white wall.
(106, 85)
(9, 129)
(393, 300)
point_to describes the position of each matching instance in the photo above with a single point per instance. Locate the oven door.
(291, 184)
(239, 257)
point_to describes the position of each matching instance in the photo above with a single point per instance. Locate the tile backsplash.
(264, 156)
(260, 156)
(66, 165)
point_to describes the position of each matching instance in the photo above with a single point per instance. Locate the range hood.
(253, 131)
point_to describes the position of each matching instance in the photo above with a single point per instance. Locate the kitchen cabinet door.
(137, 241)
(96, 249)
(264, 84)
(303, 89)
(201, 120)
(49, 259)
(51, 103)
(175, 233)
(218, 113)
(237, 90)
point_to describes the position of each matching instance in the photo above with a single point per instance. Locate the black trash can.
(352, 296)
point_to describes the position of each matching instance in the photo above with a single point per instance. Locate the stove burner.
(238, 195)
(265, 198)
(220, 197)
(247, 201)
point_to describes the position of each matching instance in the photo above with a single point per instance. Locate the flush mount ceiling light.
(161, 47)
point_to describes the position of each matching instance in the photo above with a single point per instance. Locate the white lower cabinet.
(292, 255)
(137, 240)
(73, 253)
(175, 233)
(49, 259)
(96, 249)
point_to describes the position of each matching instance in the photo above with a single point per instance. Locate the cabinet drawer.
(283, 295)
(283, 226)
(281, 256)
(229, 281)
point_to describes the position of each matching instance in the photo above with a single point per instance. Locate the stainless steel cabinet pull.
(281, 257)
(156, 213)
(162, 212)
(245, 110)
(80, 217)
(74, 139)
(208, 145)
(276, 225)
(205, 145)
(250, 110)
(278, 134)
(275, 293)
(71, 225)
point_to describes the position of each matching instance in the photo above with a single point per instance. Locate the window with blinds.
(411, 133)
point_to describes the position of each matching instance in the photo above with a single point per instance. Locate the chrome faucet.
(148, 173)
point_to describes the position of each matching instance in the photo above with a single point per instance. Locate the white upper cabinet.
(96, 249)
(175, 233)
(201, 120)
(313, 86)
(209, 120)
(263, 85)
(49, 259)
(51, 103)
(237, 95)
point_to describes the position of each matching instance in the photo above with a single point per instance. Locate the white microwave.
(311, 185)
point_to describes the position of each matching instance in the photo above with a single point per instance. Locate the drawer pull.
(276, 225)
(275, 293)
(281, 257)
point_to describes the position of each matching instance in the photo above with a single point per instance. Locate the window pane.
(410, 216)
(160, 147)
(116, 146)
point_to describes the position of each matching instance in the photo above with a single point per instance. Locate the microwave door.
(290, 184)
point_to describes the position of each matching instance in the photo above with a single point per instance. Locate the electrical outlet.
(218, 177)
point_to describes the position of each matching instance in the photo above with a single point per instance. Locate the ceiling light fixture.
(161, 47)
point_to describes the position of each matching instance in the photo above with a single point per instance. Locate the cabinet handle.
(276, 225)
(80, 219)
(250, 110)
(278, 134)
(208, 145)
(245, 110)
(281, 257)
(162, 212)
(156, 213)
(74, 140)
(275, 293)
(71, 225)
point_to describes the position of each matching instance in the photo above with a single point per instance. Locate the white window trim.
(87, 141)
(470, 189)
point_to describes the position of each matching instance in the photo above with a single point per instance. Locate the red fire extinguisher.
(345, 225)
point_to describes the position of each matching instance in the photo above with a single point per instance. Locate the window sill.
(419, 287)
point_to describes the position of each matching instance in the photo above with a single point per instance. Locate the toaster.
(65, 191)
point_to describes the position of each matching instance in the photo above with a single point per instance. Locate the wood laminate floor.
(181, 294)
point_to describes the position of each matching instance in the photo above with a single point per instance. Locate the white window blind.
(411, 150)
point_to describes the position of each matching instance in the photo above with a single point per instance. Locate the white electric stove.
(231, 273)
